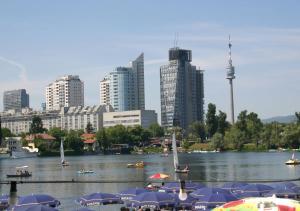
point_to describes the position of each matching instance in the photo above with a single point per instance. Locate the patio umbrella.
(281, 192)
(128, 194)
(285, 185)
(4, 202)
(152, 200)
(35, 199)
(209, 198)
(253, 190)
(232, 186)
(184, 204)
(260, 203)
(36, 207)
(95, 199)
(159, 176)
(83, 209)
(207, 191)
(175, 186)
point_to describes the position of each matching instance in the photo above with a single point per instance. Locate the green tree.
(223, 125)
(37, 125)
(57, 133)
(197, 130)
(6, 133)
(217, 141)
(242, 121)
(211, 120)
(254, 128)
(297, 114)
(156, 130)
(89, 128)
(117, 134)
(102, 139)
(74, 142)
(234, 138)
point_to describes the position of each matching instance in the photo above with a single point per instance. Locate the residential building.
(15, 100)
(181, 89)
(68, 118)
(123, 88)
(66, 91)
(143, 118)
(104, 91)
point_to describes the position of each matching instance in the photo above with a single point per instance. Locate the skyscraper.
(123, 88)
(66, 91)
(181, 89)
(15, 99)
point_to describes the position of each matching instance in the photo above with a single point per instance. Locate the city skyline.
(39, 42)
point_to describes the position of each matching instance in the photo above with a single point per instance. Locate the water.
(210, 167)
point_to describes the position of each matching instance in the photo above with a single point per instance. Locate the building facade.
(66, 91)
(15, 100)
(181, 89)
(143, 118)
(68, 118)
(123, 88)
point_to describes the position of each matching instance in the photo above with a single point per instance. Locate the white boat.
(175, 157)
(292, 161)
(85, 171)
(25, 152)
(62, 154)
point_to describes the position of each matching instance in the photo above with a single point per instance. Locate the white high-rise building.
(104, 91)
(66, 91)
(123, 88)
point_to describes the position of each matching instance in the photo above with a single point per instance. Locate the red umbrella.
(159, 176)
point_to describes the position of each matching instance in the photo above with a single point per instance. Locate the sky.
(41, 41)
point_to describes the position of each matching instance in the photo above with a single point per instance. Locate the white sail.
(175, 156)
(62, 154)
(293, 156)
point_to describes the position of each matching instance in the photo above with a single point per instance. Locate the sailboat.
(175, 157)
(293, 161)
(62, 155)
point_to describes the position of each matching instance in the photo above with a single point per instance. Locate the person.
(186, 167)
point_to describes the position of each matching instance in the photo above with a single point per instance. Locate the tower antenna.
(230, 77)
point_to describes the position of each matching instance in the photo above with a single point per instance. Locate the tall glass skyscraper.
(15, 99)
(181, 89)
(123, 88)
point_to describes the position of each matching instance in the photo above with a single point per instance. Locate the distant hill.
(280, 119)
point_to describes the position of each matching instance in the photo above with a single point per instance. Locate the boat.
(293, 161)
(21, 171)
(25, 152)
(139, 164)
(82, 171)
(175, 157)
(62, 155)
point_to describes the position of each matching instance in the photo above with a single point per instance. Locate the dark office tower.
(15, 99)
(182, 90)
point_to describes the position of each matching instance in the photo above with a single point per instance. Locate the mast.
(0, 132)
(230, 77)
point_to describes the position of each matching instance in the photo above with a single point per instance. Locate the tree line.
(247, 133)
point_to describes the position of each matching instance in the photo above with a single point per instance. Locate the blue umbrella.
(253, 190)
(35, 199)
(184, 204)
(152, 200)
(232, 186)
(285, 185)
(98, 199)
(175, 186)
(83, 209)
(36, 207)
(281, 192)
(128, 194)
(207, 191)
(213, 199)
(4, 202)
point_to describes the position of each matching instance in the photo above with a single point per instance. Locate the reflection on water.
(212, 167)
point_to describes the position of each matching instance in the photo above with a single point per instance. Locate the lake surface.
(211, 168)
